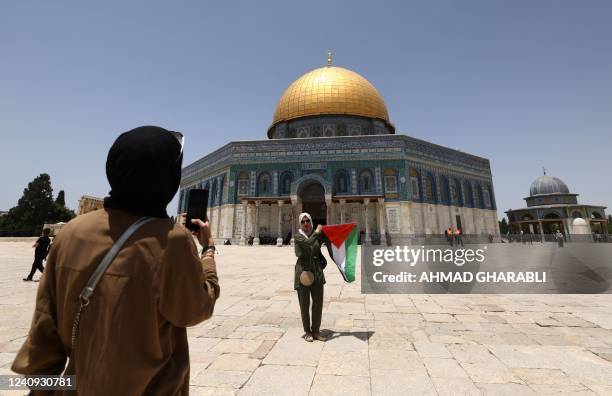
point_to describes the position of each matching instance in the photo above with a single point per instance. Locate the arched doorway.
(552, 222)
(312, 196)
(598, 223)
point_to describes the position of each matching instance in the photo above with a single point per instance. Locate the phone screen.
(197, 203)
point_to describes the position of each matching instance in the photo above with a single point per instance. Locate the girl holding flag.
(309, 278)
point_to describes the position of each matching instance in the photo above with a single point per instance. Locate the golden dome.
(330, 90)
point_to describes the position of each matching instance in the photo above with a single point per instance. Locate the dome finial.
(329, 58)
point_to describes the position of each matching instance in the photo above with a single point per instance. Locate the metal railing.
(541, 238)
(430, 239)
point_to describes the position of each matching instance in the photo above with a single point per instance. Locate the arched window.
(459, 193)
(576, 214)
(390, 181)
(285, 183)
(366, 181)
(444, 190)
(452, 192)
(207, 186)
(213, 194)
(486, 197)
(342, 181)
(414, 184)
(221, 191)
(264, 186)
(243, 183)
(468, 199)
(477, 200)
(428, 188)
(596, 215)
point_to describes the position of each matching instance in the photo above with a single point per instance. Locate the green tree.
(34, 208)
(61, 199)
(503, 226)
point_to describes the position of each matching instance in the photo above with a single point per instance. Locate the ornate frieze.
(350, 146)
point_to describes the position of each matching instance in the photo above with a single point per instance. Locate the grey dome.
(545, 185)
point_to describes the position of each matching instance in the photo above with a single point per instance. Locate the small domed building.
(332, 151)
(551, 207)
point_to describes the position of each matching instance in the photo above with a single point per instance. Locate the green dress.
(309, 257)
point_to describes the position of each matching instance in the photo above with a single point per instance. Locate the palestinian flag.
(343, 248)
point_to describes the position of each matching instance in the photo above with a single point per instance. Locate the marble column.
(256, 225)
(279, 239)
(342, 211)
(328, 212)
(541, 229)
(567, 224)
(296, 209)
(243, 241)
(209, 214)
(382, 221)
(366, 203)
(218, 202)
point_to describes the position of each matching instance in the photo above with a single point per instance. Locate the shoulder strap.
(108, 259)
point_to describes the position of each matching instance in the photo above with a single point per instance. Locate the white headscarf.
(300, 217)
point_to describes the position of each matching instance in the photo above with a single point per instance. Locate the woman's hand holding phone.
(203, 234)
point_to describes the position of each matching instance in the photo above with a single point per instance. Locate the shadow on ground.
(361, 335)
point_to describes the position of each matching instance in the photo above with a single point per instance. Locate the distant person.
(309, 278)
(490, 238)
(523, 237)
(560, 239)
(129, 336)
(449, 238)
(40, 253)
(458, 237)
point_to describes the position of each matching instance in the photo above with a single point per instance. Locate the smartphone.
(197, 203)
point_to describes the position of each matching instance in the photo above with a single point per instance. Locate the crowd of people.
(453, 236)
(529, 238)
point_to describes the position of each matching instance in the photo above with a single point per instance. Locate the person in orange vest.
(449, 236)
(458, 238)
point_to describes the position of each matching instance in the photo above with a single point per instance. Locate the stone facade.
(551, 207)
(89, 204)
(389, 185)
(333, 152)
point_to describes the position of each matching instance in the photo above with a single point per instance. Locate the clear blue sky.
(524, 83)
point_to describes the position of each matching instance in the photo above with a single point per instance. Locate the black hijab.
(143, 168)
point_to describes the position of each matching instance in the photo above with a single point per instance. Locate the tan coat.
(132, 338)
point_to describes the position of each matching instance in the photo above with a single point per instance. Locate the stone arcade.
(551, 207)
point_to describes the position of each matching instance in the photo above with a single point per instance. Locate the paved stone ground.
(379, 344)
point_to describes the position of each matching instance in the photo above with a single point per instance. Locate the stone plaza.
(378, 344)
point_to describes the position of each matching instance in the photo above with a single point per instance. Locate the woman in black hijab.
(133, 329)
(144, 171)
